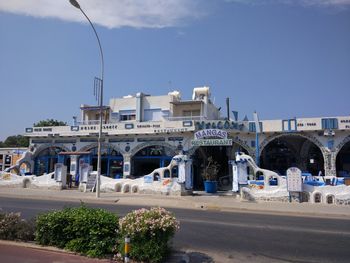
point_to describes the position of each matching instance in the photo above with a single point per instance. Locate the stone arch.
(301, 159)
(103, 145)
(148, 144)
(341, 145)
(47, 164)
(145, 157)
(336, 156)
(112, 159)
(42, 147)
(306, 136)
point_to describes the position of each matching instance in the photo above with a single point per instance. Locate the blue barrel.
(210, 186)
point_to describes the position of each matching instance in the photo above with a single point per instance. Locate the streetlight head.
(74, 3)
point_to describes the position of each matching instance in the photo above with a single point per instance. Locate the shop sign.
(91, 182)
(226, 125)
(294, 180)
(171, 130)
(210, 133)
(212, 142)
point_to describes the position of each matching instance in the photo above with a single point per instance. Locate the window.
(252, 127)
(127, 115)
(252, 144)
(190, 113)
(153, 115)
(289, 125)
(330, 123)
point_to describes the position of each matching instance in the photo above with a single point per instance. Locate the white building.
(143, 132)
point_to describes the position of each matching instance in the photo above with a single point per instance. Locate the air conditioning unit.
(328, 133)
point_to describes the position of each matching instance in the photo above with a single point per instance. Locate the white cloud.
(320, 3)
(110, 13)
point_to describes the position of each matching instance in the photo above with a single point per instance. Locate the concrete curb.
(35, 246)
(176, 256)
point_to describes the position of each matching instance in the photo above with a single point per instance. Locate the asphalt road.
(236, 236)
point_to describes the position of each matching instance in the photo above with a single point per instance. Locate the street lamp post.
(98, 178)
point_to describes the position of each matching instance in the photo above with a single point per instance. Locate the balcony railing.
(181, 118)
(186, 118)
(95, 122)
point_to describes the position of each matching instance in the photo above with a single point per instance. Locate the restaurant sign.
(212, 142)
(216, 133)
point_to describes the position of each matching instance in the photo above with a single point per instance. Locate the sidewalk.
(228, 203)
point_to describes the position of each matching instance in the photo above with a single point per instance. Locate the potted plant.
(210, 173)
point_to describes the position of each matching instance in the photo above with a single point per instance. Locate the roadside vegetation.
(97, 232)
(12, 227)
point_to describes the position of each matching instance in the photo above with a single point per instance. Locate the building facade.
(9, 157)
(143, 132)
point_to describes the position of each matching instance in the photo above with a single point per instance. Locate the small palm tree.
(211, 170)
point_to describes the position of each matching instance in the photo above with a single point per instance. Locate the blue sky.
(282, 58)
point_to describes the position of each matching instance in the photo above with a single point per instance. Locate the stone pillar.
(73, 165)
(126, 165)
(329, 163)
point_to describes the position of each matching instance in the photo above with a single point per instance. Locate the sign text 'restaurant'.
(212, 142)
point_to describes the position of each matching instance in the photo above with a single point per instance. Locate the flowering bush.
(12, 227)
(149, 232)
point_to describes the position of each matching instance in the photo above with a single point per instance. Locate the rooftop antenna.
(228, 108)
(97, 88)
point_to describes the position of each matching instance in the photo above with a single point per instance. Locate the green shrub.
(12, 227)
(89, 231)
(150, 232)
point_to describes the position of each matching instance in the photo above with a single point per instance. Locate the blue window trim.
(329, 123)
(289, 128)
(252, 127)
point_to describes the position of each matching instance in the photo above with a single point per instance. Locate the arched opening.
(150, 158)
(317, 198)
(111, 161)
(118, 187)
(166, 173)
(45, 160)
(24, 168)
(156, 176)
(305, 197)
(221, 155)
(343, 161)
(175, 171)
(292, 151)
(134, 189)
(330, 199)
